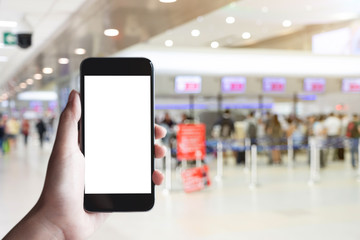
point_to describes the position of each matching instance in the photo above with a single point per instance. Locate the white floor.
(284, 206)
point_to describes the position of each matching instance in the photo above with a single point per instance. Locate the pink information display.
(188, 84)
(233, 84)
(351, 85)
(314, 85)
(274, 84)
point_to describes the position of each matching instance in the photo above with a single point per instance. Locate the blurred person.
(344, 121)
(320, 137)
(25, 128)
(267, 138)
(227, 128)
(41, 129)
(168, 121)
(353, 132)
(12, 130)
(309, 132)
(251, 128)
(333, 126)
(274, 130)
(2, 134)
(59, 212)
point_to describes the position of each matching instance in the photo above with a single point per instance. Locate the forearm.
(34, 226)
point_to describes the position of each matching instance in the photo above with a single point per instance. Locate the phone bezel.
(118, 67)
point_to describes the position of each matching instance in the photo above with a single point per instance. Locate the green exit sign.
(10, 38)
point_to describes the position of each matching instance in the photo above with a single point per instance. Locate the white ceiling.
(44, 16)
(261, 18)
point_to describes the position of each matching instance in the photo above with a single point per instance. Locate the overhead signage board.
(351, 85)
(274, 84)
(315, 85)
(233, 84)
(188, 84)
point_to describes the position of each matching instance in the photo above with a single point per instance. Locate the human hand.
(59, 212)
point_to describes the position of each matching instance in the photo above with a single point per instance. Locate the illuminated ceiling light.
(214, 44)
(9, 24)
(169, 43)
(230, 20)
(63, 61)
(167, 1)
(3, 59)
(23, 85)
(80, 51)
(47, 70)
(111, 32)
(286, 23)
(29, 81)
(246, 35)
(38, 76)
(265, 9)
(195, 33)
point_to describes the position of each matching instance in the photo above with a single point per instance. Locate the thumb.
(67, 133)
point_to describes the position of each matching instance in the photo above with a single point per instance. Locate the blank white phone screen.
(117, 134)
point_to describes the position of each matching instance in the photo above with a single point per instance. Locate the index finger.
(160, 132)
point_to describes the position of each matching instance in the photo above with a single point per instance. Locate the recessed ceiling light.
(169, 43)
(214, 44)
(195, 33)
(246, 35)
(80, 51)
(23, 85)
(111, 32)
(47, 70)
(265, 9)
(10, 24)
(29, 81)
(286, 23)
(3, 59)
(230, 20)
(38, 76)
(63, 61)
(167, 1)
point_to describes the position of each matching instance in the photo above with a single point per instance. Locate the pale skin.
(59, 212)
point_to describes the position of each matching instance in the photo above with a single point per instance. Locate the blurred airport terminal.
(261, 100)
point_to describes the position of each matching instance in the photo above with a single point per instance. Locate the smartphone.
(117, 133)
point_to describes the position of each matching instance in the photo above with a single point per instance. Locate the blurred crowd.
(334, 134)
(11, 129)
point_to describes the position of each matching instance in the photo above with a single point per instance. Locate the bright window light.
(195, 33)
(38, 96)
(169, 43)
(230, 20)
(10, 24)
(214, 44)
(80, 51)
(63, 61)
(47, 70)
(111, 32)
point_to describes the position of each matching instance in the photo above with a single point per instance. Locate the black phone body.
(117, 133)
